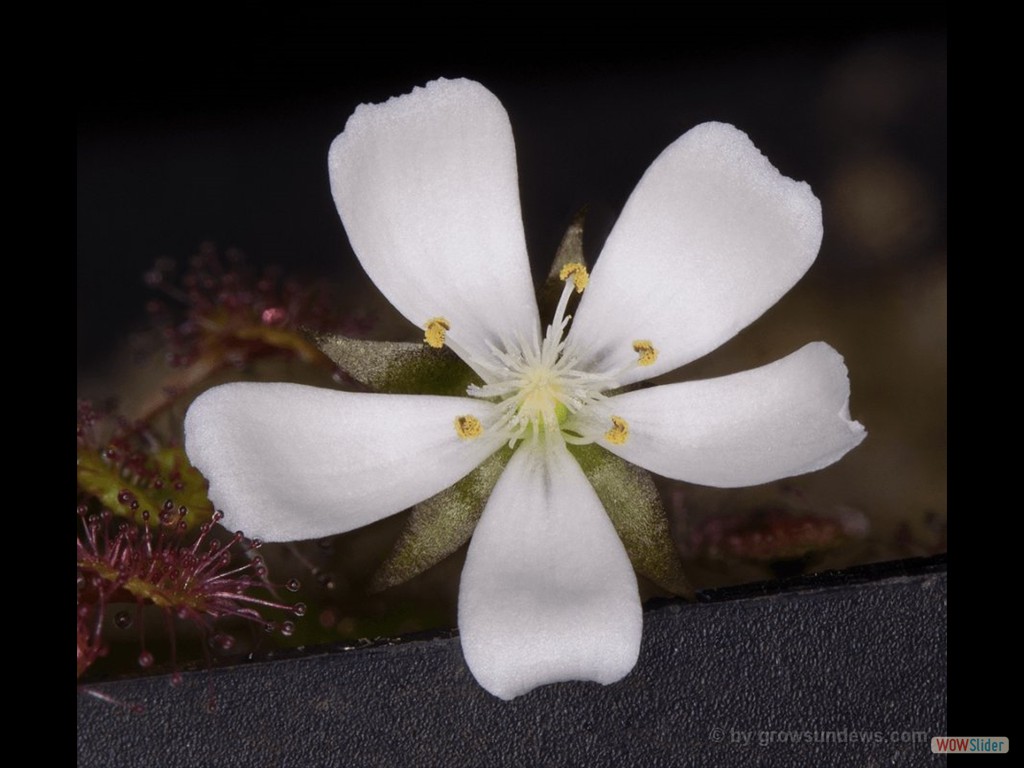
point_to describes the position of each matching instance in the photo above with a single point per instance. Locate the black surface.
(812, 671)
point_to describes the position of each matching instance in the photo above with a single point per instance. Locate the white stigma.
(536, 384)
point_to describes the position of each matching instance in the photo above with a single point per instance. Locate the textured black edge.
(858, 574)
(762, 681)
(830, 579)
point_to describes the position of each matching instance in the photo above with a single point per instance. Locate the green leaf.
(183, 485)
(569, 251)
(398, 367)
(632, 502)
(441, 524)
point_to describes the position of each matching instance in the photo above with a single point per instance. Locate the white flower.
(427, 188)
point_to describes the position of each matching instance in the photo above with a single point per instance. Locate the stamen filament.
(537, 390)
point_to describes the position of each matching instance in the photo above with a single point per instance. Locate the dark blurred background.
(204, 133)
(192, 132)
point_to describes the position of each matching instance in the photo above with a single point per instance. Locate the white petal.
(786, 418)
(288, 462)
(711, 237)
(427, 188)
(548, 593)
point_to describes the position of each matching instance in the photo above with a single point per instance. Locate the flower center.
(539, 395)
(538, 386)
(540, 392)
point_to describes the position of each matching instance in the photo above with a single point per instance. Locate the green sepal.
(106, 482)
(631, 500)
(569, 251)
(398, 367)
(441, 524)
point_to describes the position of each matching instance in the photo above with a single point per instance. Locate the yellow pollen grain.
(578, 273)
(468, 427)
(436, 328)
(644, 348)
(619, 432)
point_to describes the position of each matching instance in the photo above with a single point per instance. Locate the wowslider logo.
(948, 745)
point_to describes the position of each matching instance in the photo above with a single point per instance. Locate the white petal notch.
(712, 236)
(288, 462)
(786, 418)
(548, 593)
(427, 188)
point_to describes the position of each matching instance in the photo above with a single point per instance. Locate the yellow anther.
(436, 328)
(468, 427)
(619, 432)
(644, 348)
(578, 273)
